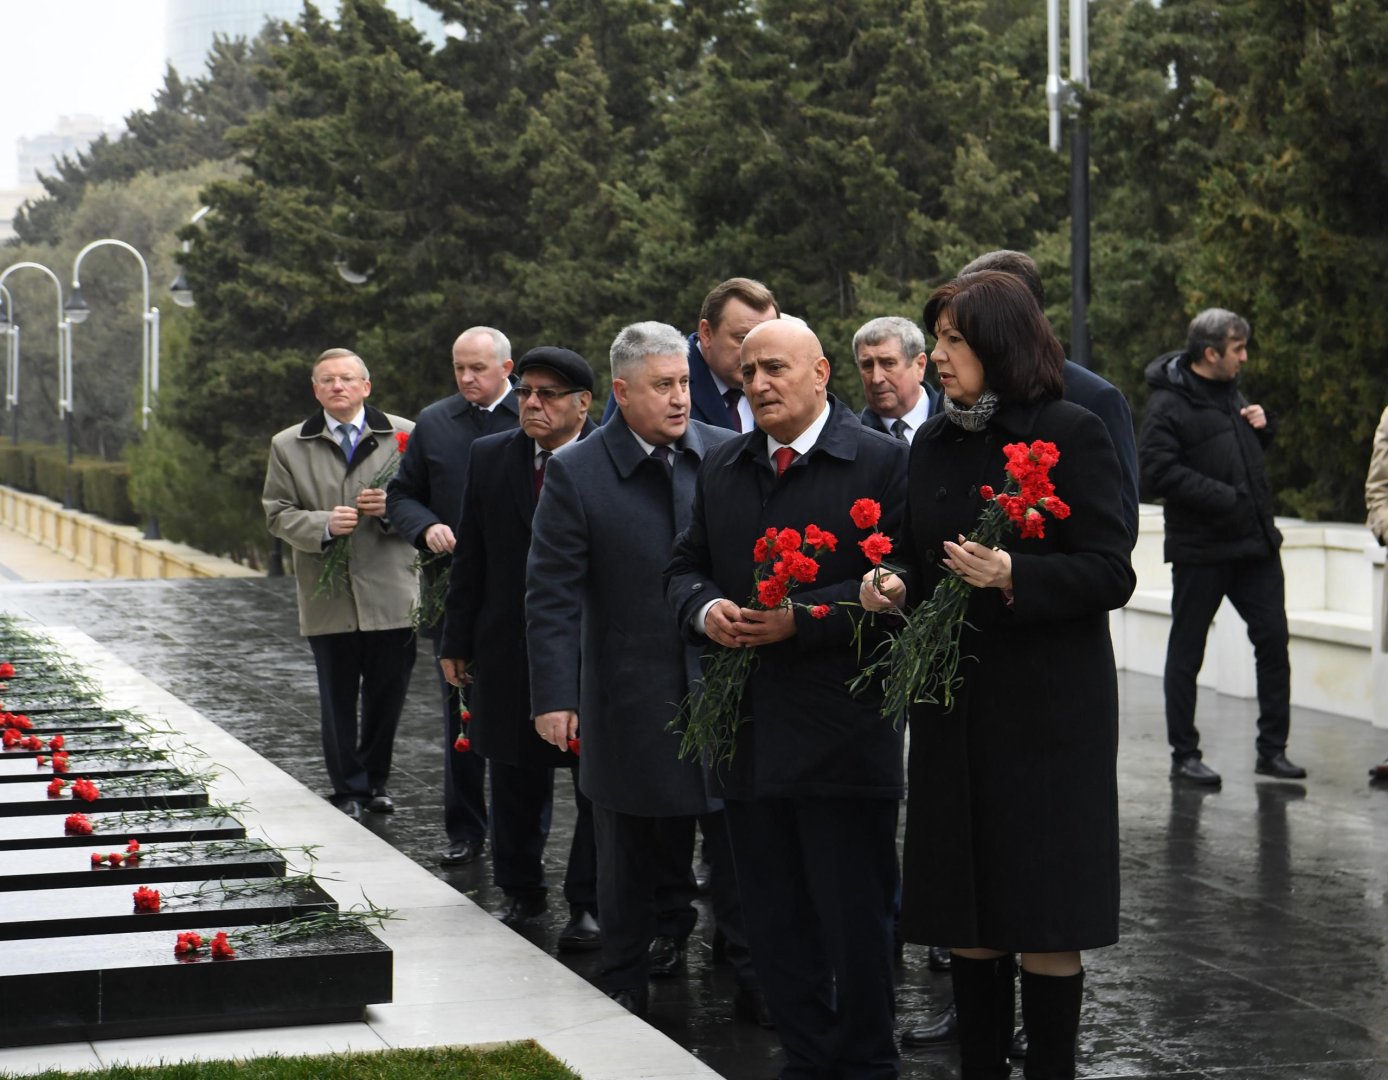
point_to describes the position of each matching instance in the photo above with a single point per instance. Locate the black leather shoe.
(351, 807)
(633, 1001)
(1379, 771)
(943, 1027)
(461, 854)
(581, 934)
(1018, 1049)
(519, 910)
(667, 957)
(1194, 771)
(937, 959)
(381, 803)
(749, 1006)
(1278, 766)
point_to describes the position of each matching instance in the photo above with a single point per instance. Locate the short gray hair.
(888, 327)
(643, 339)
(500, 342)
(342, 354)
(1212, 329)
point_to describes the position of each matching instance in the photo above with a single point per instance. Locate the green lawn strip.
(514, 1061)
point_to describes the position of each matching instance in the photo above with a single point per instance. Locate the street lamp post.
(77, 311)
(1063, 95)
(10, 328)
(64, 369)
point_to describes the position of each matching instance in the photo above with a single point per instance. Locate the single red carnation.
(574, 747)
(134, 845)
(761, 550)
(820, 611)
(146, 899)
(188, 942)
(60, 763)
(987, 492)
(33, 742)
(6, 670)
(9, 738)
(402, 440)
(875, 547)
(462, 744)
(40, 761)
(77, 824)
(85, 789)
(1059, 508)
(98, 858)
(787, 540)
(466, 716)
(1033, 525)
(866, 513)
(770, 592)
(801, 567)
(57, 742)
(115, 858)
(816, 537)
(221, 947)
(55, 787)
(22, 722)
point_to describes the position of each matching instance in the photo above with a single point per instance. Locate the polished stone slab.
(15, 768)
(49, 830)
(73, 868)
(31, 797)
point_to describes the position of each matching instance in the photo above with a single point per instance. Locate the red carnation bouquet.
(920, 661)
(338, 557)
(712, 712)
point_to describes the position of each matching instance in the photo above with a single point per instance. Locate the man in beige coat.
(360, 628)
(1376, 499)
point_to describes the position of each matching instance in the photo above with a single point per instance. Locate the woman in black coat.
(1012, 812)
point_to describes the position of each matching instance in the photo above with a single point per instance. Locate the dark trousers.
(464, 775)
(371, 667)
(1257, 590)
(642, 861)
(724, 897)
(818, 878)
(522, 802)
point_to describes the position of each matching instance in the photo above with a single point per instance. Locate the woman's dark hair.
(999, 318)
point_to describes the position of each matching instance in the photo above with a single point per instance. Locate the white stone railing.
(1334, 611)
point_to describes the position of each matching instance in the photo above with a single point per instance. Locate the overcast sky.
(103, 57)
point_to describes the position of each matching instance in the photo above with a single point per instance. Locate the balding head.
(785, 377)
(481, 364)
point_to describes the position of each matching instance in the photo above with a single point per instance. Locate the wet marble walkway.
(1255, 918)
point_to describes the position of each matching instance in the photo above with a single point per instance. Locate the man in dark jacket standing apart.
(607, 662)
(1201, 451)
(423, 500)
(813, 786)
(484, 642)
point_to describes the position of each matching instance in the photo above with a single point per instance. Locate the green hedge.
(98, 487)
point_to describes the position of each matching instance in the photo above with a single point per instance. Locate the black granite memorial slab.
(80, 742)
(15, 768)
(32, 702)
(73, 868)
(33, 798)
(183, 905)
(67, 721)
(123, 985)
(48, 830)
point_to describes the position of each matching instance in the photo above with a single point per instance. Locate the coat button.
(695, 587)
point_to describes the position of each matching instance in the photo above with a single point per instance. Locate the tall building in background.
(190, 25)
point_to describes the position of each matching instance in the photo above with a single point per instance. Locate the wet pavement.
(1254, 918)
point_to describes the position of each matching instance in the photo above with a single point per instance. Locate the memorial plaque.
(73, 868)
(19, 767)
(32, 797)
(48, 830)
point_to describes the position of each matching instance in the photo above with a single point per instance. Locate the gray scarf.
(976, 416)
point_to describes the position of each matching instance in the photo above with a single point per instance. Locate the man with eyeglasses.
(424, 499)
(360, 629)
(483, 643)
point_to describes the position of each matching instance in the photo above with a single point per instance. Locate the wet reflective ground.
(1254, 918)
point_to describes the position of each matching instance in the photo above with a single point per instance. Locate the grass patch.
(515, 1061)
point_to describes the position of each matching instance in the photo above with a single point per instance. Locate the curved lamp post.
(64, 368)
(179, 287)
(10, 329)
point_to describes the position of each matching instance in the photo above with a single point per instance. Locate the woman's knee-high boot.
(983, 995)
(1051, 1013)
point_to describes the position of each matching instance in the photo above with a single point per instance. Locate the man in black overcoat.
(813, 786)
(602, 537)
(423, 501)
(484, 641)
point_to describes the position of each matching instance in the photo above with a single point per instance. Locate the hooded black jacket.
(1205, 462)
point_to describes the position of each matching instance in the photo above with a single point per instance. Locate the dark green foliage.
(106, 491)
(51, 474)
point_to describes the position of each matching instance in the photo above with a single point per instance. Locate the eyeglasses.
(547, 394)
(345, 380)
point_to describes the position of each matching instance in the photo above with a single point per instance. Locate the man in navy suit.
(813, 785)
(484, 643)
(728, 314)
(423, 501)
(890, 354)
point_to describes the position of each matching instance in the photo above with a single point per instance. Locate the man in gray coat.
(607, 663)
(316, 497)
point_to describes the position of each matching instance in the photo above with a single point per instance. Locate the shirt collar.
(804, 442)
(917, 415)
(559, 450)
(358, 422)
(505, 389)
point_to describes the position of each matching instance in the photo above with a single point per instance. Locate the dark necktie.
(732, 396)
(347, 436)
(540, 462)
(662, 455)
(899, 429)
(784, 456)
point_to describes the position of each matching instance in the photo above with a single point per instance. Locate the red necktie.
(784, 456)
(542, 461)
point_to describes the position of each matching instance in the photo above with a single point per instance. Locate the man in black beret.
(483, 643)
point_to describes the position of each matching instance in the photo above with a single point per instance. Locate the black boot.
(1051, 1015)
(983, 997)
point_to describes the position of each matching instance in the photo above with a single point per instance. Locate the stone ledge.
(115, 551)
(1336, 627)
